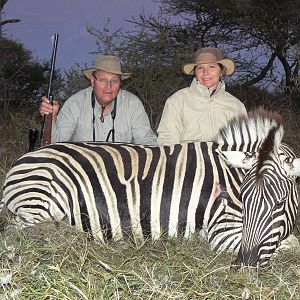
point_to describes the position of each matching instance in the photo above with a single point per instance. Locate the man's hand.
(46, 108)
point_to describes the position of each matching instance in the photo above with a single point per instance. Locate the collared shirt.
(195, 114)
(75, 120)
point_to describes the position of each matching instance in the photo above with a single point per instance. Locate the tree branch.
(9, 21)
(262, 74)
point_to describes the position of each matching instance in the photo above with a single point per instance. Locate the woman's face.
(208, 74)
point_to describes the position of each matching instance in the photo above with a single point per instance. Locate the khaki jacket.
(192, 114)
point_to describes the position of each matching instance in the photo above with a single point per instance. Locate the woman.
(198, 112)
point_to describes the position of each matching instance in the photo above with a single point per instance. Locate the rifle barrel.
(52, 66)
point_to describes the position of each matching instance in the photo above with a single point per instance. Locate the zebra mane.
(265, 150)
(252, 129)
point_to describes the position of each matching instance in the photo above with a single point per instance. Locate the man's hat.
(107, 63)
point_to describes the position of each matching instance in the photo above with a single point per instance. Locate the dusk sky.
(69, 18)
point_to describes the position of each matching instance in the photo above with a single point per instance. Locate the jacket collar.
(198, 87)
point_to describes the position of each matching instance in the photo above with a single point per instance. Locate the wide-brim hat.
(210, 55)
(107, 63)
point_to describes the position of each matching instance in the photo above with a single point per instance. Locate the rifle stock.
(46, 130)
(47, 127)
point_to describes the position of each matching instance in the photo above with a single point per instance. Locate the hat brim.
(229, 64)
(89, 73)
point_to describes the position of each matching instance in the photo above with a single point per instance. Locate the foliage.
(262, 37)
(74, 81)
(22, 80)
(14, 136)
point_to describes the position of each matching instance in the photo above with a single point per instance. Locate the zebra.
(114, 189)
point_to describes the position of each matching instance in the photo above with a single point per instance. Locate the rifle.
(46, 129)
(45, 136)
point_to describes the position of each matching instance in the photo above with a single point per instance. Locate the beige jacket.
(192, 114)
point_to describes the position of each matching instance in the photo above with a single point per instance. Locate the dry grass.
(56, 262)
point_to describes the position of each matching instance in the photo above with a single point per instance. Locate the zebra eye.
(288, 160)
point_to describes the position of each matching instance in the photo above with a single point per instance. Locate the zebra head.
(270, 202)
(268, 194)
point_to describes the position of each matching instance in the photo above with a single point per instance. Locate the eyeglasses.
(104, 81)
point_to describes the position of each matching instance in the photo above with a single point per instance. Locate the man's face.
(106, 86)
(208, 74)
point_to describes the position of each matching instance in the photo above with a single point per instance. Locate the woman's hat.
(107, 63)
(210, 55)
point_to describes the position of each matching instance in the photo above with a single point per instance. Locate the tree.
(22, 80)
(275, 26)
(3, 22)
(74, 81)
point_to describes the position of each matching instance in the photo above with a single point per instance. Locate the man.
(103, 111)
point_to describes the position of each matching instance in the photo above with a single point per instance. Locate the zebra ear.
(238, 159)
(292, 166)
